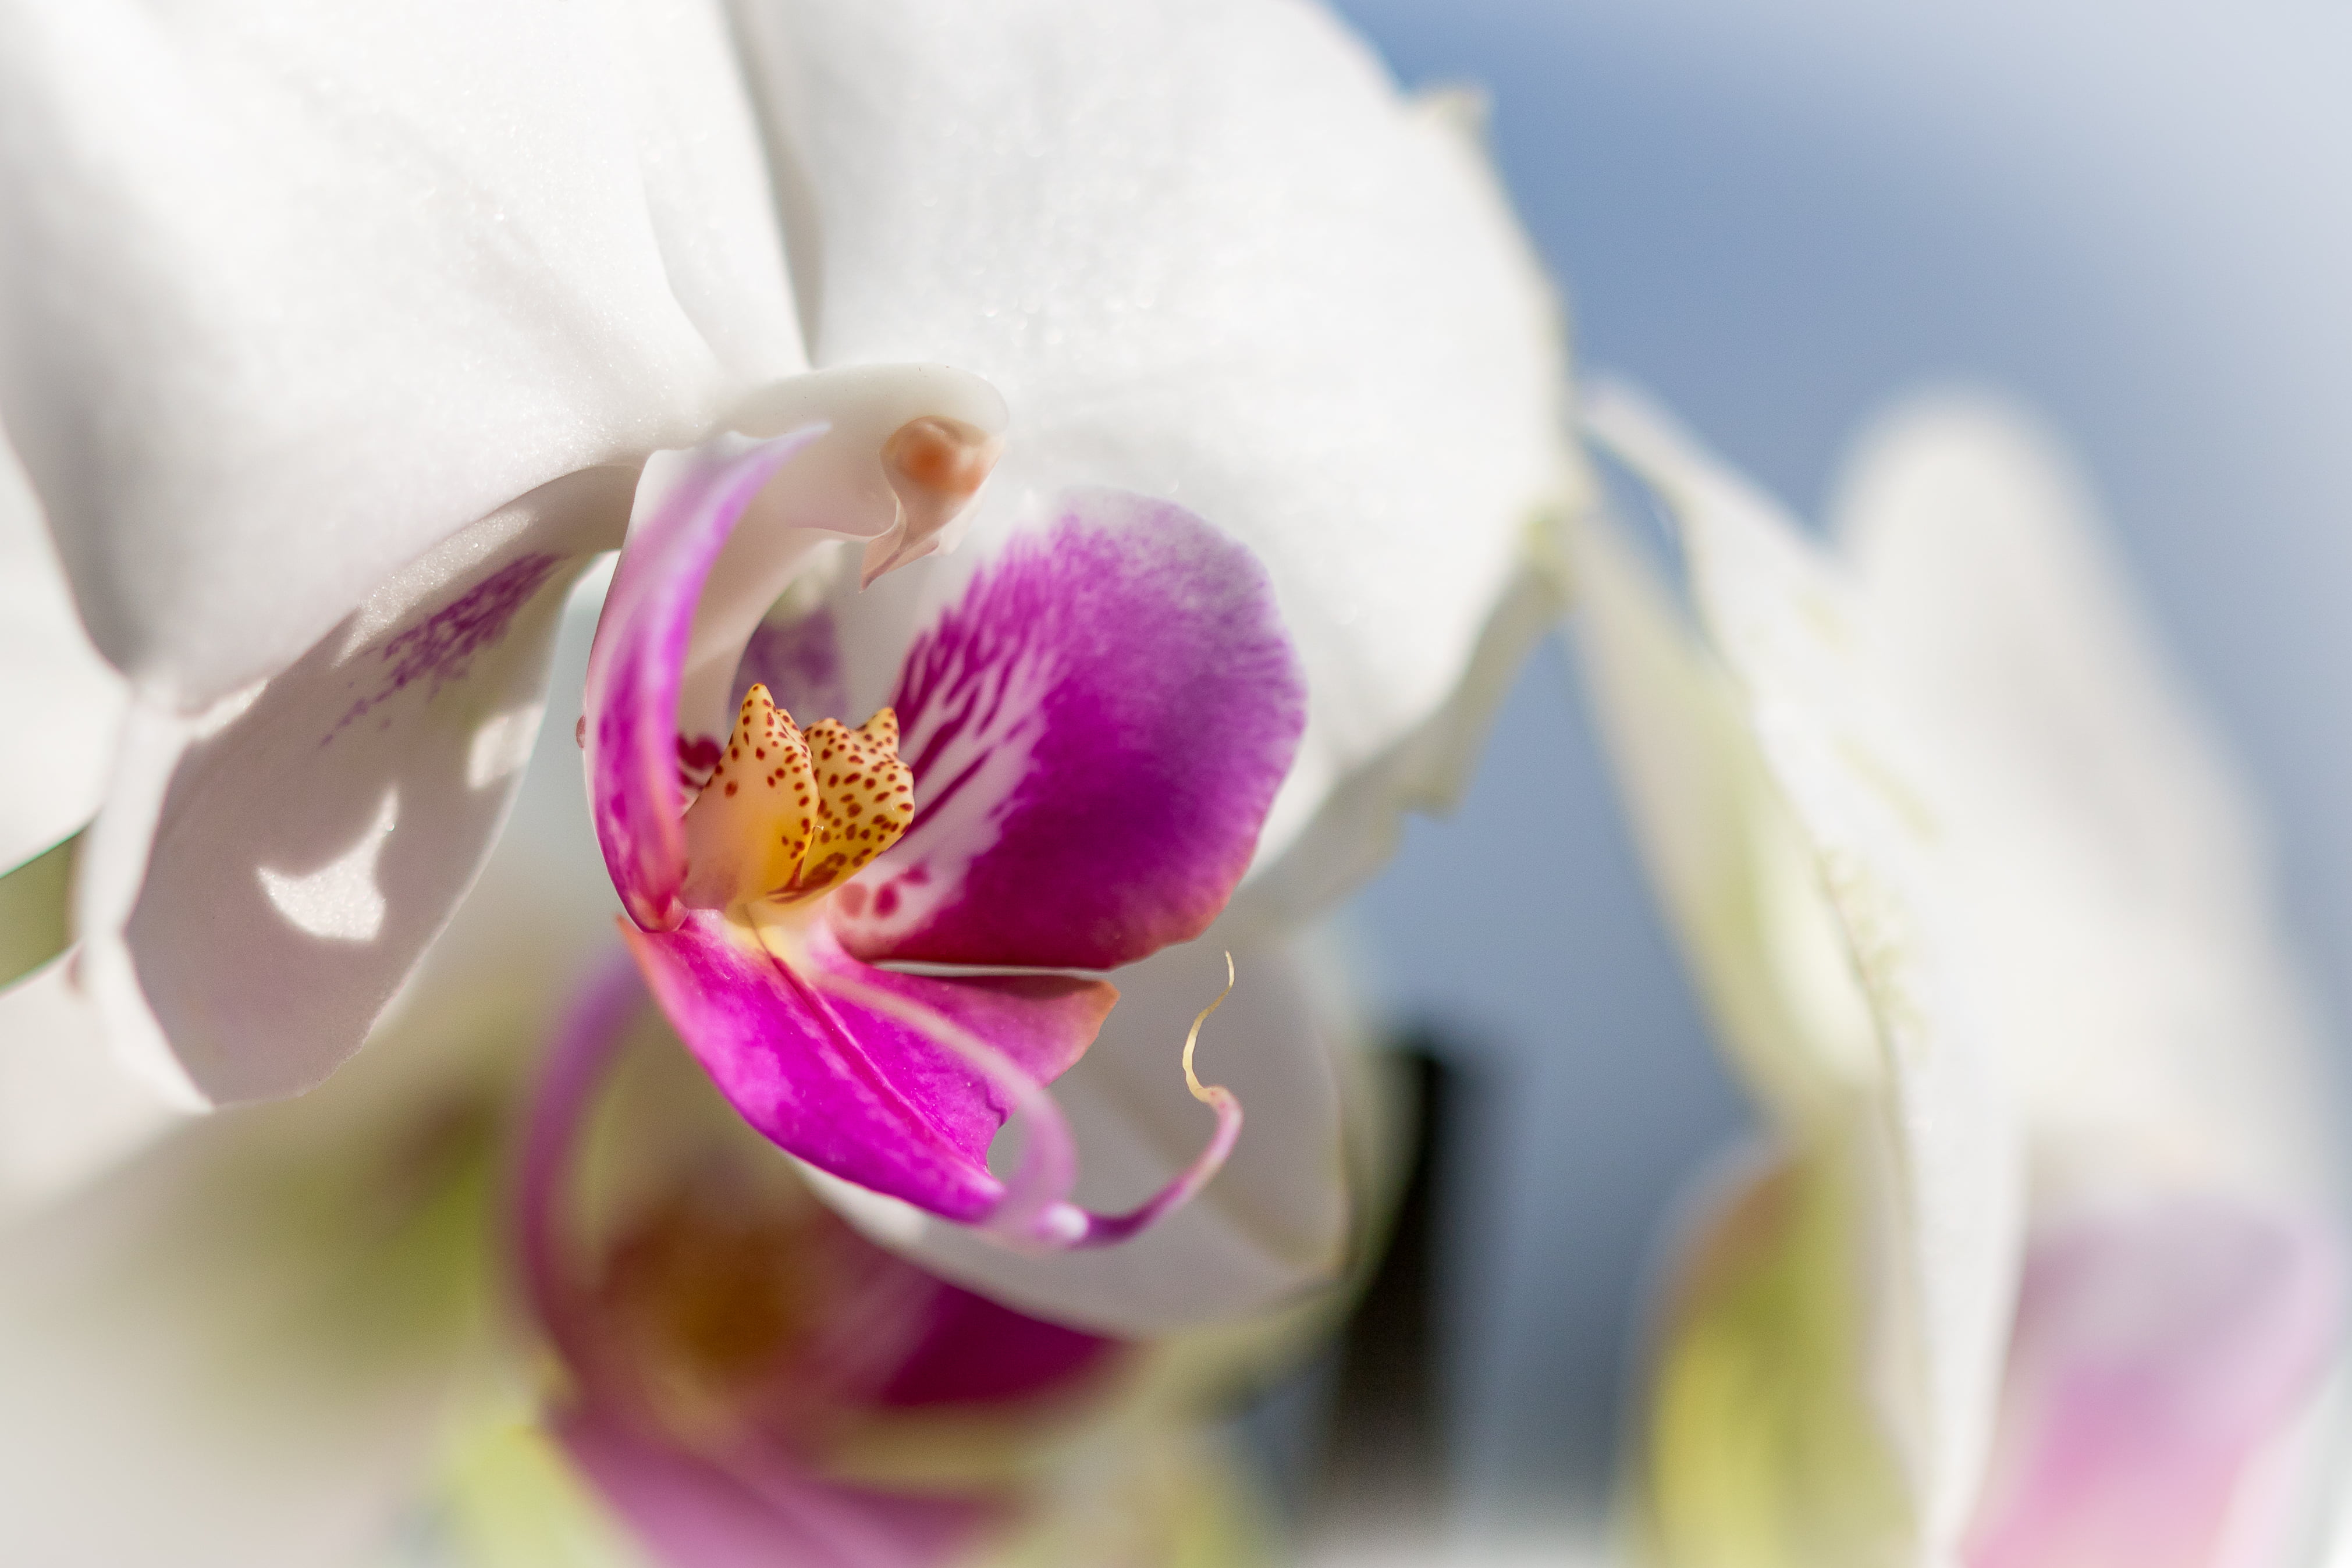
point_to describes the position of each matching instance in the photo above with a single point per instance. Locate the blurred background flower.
(1777, 217)
(2036, 1264)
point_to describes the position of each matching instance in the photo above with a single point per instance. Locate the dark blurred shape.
(1589, 1095)
(1386, 1454)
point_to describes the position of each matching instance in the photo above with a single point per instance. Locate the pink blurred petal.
(799, 660)
(758, 1509)
(2159, 1348)
(974, 1352)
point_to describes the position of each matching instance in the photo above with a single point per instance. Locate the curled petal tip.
(1208, 1095)
(1080, 1228)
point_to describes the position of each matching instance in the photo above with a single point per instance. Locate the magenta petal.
(639, 660)
(857, 1089)
(2159, 1349)
(760, 1511)
(1096, 728)
(974, 1352)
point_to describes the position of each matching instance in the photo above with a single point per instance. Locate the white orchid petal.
(59, 703)
(292, 294)
(1273, 1225)
(1727, 860)
(1784, 619)
(266, 875)
(1208, 254)
(2147, 1012)
(671, 65)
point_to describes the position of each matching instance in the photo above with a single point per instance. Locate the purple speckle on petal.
(441, 647)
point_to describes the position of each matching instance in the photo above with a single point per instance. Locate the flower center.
(789, 814)
(708, 1304)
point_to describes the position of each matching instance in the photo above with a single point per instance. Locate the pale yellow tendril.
(1207, 1094)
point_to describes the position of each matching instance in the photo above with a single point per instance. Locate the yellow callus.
(790, 814)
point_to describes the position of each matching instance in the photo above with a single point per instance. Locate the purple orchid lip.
(919, 1134)
(1036, 1210)
(1094, 729)
(1032, 1206)
(1096, 726)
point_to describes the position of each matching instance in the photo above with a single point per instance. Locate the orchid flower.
(2036, 1267)
(1096, 725)
(1280, 1224)
(278, 1328)
(337, 345)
